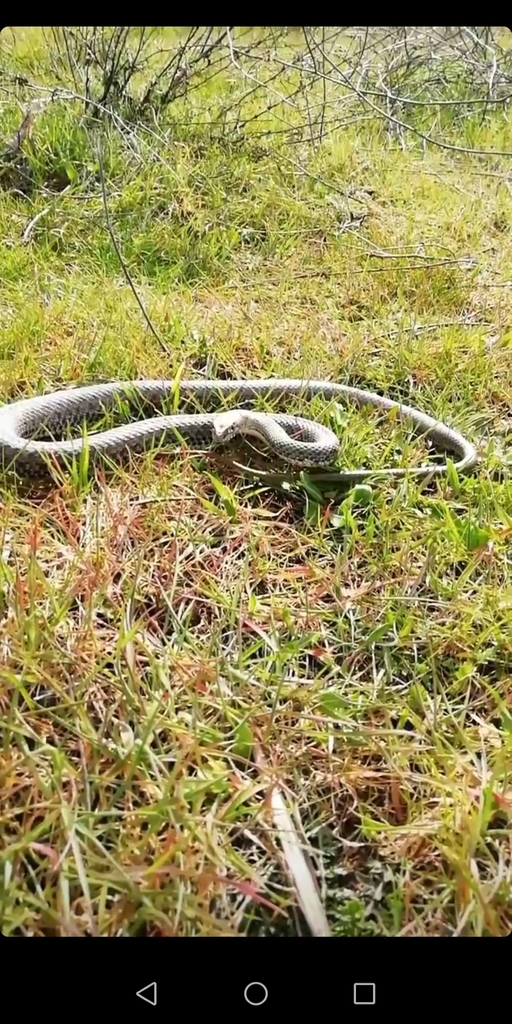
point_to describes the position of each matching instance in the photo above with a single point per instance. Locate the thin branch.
(119, 255)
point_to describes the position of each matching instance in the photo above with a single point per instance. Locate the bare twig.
(119, 255)
(31, 225)
(297, 866)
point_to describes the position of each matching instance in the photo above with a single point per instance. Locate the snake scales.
(292, 439)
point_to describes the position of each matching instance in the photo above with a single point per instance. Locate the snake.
(291, 439)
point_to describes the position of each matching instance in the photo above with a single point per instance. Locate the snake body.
(292, 439)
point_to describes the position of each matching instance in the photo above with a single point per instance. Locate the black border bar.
(304, 977)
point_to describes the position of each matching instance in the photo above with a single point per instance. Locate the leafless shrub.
(130, 70)
(419, 82)
(302, 83)
(413, 79)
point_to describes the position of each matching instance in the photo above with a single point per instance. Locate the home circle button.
(255, 993)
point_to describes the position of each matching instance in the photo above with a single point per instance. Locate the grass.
(177, 640)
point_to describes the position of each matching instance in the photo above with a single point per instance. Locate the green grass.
(177, 639)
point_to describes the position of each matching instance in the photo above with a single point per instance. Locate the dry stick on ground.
(119, 255)
(42, 213)
(302, 877)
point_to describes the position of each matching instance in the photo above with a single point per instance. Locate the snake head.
(227, 424)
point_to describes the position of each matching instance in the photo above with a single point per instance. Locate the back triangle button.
(148, 994)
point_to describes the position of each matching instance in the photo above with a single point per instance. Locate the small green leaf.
(71, 172)
(362, 494)
(452, 476)
(244, 741)
(226, 496)
(346, 518)
(311, 488)
(418, 697)
(331, 703)
(464, 671)
(339, 418)
(209, 506)
(475, 537)
(506, 720)
(437, 510)
(175, 391)
(378, 633)
(313, 512)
